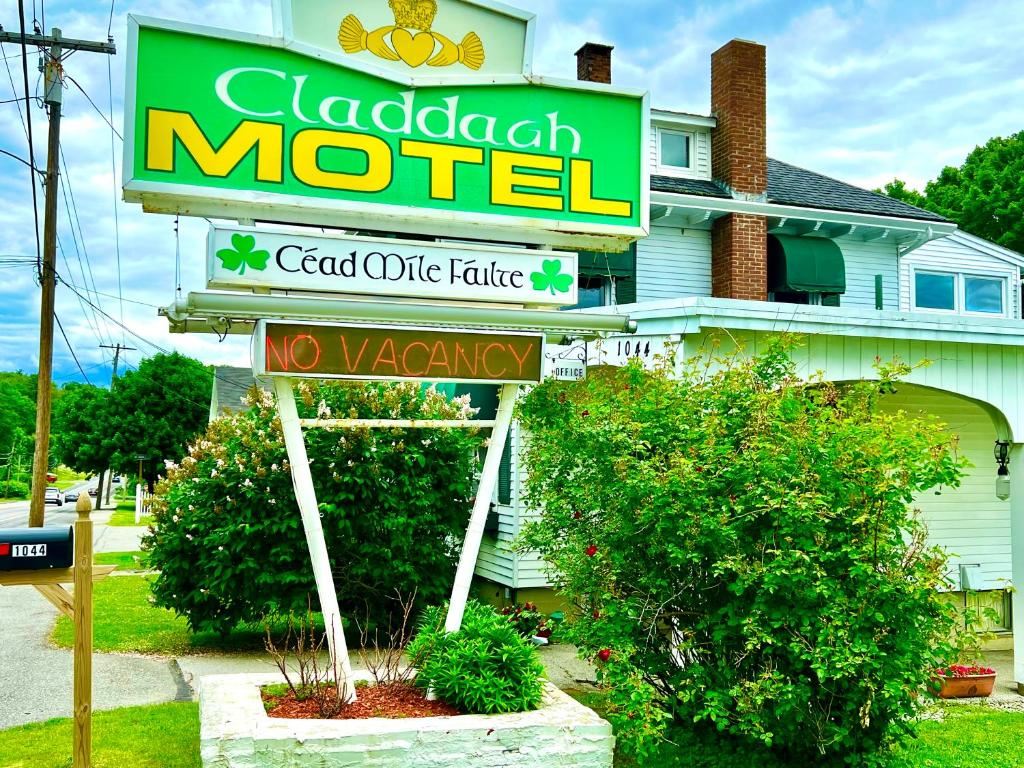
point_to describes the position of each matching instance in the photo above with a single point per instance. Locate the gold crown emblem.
(414, 14)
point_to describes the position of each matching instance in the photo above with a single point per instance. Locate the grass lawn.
(124, 515)
(969, 737)
(124, 621)
(125, 561)
(162, 736)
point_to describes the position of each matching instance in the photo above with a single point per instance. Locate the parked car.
(93, 491)
(71, 496)
(54, 496)
(117, 478)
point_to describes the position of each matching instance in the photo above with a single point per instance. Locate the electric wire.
(94, 106)
(22, 161)
(81, 304)
(113, 175)
(70, 348)
(70, 192)
(31, 147)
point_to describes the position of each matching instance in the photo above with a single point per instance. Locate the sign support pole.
(305, 494)
(83, 635)
(478, 518)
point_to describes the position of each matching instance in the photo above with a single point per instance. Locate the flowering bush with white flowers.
(227, 537)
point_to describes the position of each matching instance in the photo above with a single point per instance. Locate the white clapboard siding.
(969, 522)
(965, 253)
(673, 264)
(700, 147)
(497, 560)
(864, 261)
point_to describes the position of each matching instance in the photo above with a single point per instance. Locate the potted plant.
(959, 681)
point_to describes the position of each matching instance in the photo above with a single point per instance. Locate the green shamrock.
(243, 255)
(551, 278)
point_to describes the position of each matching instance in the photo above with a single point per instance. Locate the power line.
(113, 176)
(70, 193)
(70, 349)
(98, 110)
(22, 161)
(31, 148)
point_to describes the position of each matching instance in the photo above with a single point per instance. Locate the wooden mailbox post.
(77, 606)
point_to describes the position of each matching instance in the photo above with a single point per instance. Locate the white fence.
(143, 500)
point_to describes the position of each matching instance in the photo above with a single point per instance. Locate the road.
(14, 514)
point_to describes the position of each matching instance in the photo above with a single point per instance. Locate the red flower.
(585, 414)
(603, 655)
(577, 515)
(597, 614)
(591, 550)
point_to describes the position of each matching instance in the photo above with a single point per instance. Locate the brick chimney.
(594, 63)
(739, 242)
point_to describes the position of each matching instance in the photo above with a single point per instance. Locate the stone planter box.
(235, 732)
(966, 686)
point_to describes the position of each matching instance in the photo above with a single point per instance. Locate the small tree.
(228, 538)
(742, 552)
(156, 410)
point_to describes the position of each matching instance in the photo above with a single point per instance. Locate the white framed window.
(981, 295)
(675, 151)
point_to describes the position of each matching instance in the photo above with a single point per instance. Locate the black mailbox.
(36, 549)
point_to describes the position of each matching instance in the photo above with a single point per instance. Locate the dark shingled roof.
(790, 185)
(688, 186)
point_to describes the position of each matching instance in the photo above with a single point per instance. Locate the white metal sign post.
(478, 518)
(305, 495)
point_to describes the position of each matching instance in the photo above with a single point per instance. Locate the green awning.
(605, 264)
(805, 265)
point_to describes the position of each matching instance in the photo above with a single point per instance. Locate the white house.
(751, 246)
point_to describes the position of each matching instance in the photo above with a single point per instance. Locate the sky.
(863, 91)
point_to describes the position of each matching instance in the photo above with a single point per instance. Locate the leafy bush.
(528, 621)
(227, 537)
(742, 553)
(14, 489)
(484, 668)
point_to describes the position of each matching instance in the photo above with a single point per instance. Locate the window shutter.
(505, 472)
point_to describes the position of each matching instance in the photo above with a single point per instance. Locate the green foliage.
(984, 196)
(81, 428)
(742, 552)
(14, 489)
(157, 409)
(17, 425)
(485, 667)
(227, 535)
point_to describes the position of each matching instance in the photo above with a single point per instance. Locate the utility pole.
(118, 349)
(52, 71)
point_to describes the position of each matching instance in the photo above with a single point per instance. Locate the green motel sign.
(238, 126)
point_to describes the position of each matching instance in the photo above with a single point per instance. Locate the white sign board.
(246, 258)
(565, 362)
(418, 38)
(619, 350)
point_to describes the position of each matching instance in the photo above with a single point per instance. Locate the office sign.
(247, 258)
(236, 126)
(384, 353)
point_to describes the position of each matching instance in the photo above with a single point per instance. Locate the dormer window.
(675, 150)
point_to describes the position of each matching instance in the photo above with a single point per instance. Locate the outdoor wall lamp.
(1001, 451)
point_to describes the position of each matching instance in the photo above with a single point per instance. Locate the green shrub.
(742, 552)
(228, 539)
(484, 668)
(14, 489)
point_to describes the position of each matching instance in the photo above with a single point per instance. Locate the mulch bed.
(394, 700)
